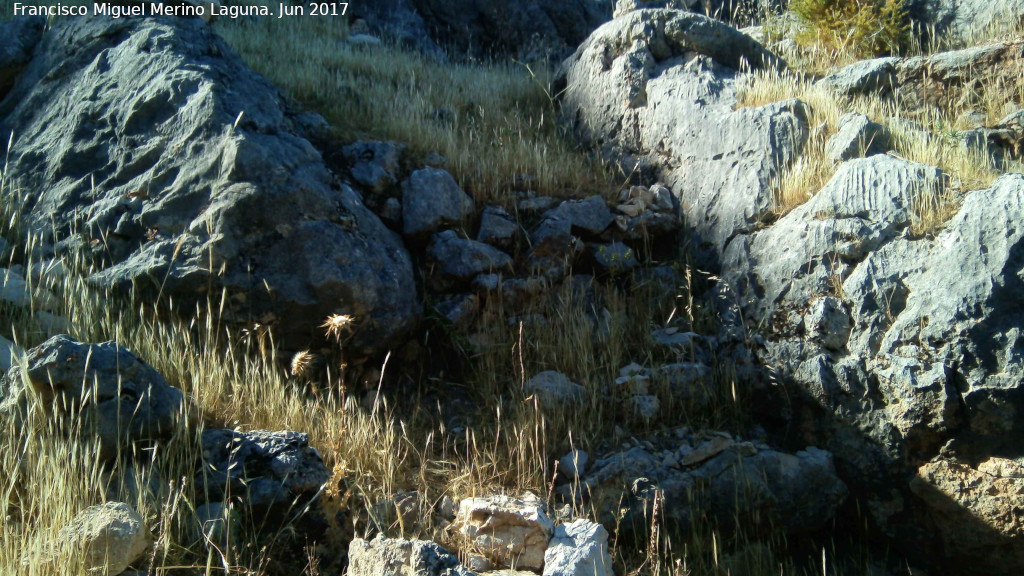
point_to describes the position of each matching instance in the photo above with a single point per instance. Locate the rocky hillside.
(561, 288)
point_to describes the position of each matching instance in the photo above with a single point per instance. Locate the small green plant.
(861, 28)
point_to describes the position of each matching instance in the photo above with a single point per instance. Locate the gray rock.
(191, 168)
(398, 557)
(267, 472)
(615, 258)
(857, 137)
(131, 402)
(459, 309)
(574, 464)
(113, 536)
(375, 165)
(553, 257)
(645, 406)
(673, 78)
(725, 10)
(391, 212)
(460, 259)
(554, 389)
(578, 549)
(20, 37)
(731, 482)
(431, 200)
(497, 228)
(582, 217)
(877, 76)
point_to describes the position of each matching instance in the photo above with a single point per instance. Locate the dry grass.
(917, 135)
(494, 122)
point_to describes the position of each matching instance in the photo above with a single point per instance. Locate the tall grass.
(493, 121)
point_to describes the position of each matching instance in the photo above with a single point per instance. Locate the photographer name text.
(182, 9)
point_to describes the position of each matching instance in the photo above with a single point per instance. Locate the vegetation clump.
(861, 28)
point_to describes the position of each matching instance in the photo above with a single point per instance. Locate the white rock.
(578, 549)
(511, 532)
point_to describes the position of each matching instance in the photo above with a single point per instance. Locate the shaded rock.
(615, 258)
(536, 204)
(574, 464)
(731, 481)
(393, 556)
(656, 91)
(554, 389)
(580, 217)
(20, 37)
(828, 322)
(129, 401)
(517, 293)
(264, 471)
(194, 173)
(9, 352)
(396, 20)
(460, 259)
(374, 165)
(511, 532)
(977, 510)
(858, 136)
(578, 549)
(113, 536)
(431, 200)
(553, 257)
(497, 228)
(459, 309)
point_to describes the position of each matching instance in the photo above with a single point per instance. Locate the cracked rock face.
(152, 135)
(910, 345)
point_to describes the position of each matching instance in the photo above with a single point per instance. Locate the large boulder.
(125, 400)
(907, 343)
(184, 172)
(656, 92)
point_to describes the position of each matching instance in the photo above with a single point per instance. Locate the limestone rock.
(196, 176)
(396, 557)
(113, 536)
(578, 549)
(512, 532)
(656, 92)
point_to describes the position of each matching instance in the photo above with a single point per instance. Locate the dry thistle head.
(336, 324)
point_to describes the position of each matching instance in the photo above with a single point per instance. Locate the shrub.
(861, 28)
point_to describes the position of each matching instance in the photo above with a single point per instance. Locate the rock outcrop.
(20, 37)
(963, 18)
(656, 92)
(908, 343)
(185, 173)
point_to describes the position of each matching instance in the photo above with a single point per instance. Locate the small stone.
(615, 258)
(497, 228)
(554, 389)
(511, 532)
(646, 407)
(431, 199)
(574, 464)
